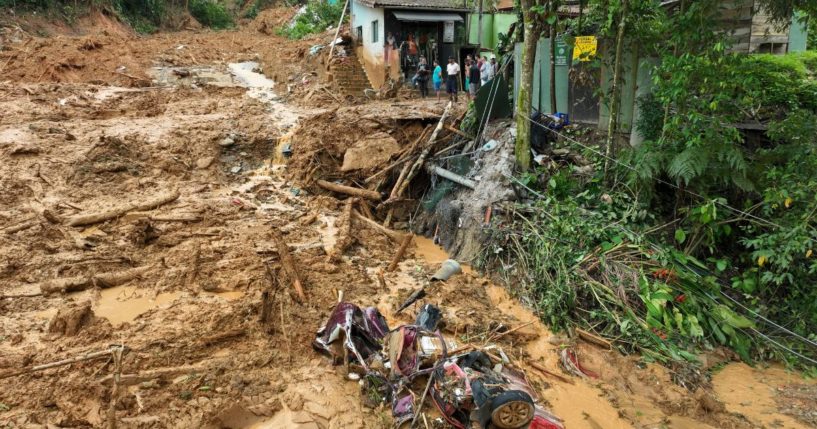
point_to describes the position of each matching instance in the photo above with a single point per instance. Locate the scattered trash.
(469, 389)
(315, 49)
(286, 150)
(491, 145)
(570, 360)
(226, 142)
(236, 169)
(448, 269)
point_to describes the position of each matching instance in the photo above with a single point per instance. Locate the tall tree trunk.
(615, 90)
(523, 102)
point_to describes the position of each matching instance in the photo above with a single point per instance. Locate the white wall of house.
(370, 52)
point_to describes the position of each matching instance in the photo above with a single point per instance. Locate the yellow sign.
(585, 48)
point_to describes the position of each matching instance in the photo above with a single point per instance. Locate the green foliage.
(211, 14)
(316, 17)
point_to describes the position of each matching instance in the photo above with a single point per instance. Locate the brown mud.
(79, 134)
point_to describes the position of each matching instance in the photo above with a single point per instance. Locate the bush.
(211, 14)
(315, 18)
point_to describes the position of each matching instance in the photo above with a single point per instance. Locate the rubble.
(467, 388)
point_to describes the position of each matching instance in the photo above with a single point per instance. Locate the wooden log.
(87, 356)
(91, 218)
(394, 235)
(399, 255)
(21, 226)
(349, 190)
(65, 284)
(106, 280)
(103, 280)
(344, 232)
(289, 265)
(309, 219)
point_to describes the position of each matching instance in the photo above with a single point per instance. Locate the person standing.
(452, 79)
(437, 78)
(473, 72)
(495, 67)
(422, 77)
(486, 71)
(388, 47)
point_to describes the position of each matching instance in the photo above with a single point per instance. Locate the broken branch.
(91, 218)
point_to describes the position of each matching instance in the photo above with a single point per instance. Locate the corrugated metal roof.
(426, 16)
(417, 4)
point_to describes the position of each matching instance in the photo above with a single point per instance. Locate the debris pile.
(468, 386)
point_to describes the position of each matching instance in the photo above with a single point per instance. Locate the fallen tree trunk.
(21, 226)
(348, 190)
(103, 280)
(87, 356)
(289, 265)
(91, 218)
(106, 280)
(66, 284)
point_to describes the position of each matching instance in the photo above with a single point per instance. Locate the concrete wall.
(492, 25)
(798, 34)
(540, 96)
(629, 77)
(371, 53)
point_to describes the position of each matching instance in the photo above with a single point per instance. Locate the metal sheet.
(426, 16)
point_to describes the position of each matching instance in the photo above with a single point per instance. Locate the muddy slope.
(182, 282)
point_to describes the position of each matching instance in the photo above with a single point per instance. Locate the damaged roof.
(417, 4)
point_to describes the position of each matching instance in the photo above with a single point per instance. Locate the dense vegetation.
(704, 234)
(315, 17)
(145, 16)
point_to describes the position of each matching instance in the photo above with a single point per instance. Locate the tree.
(615, 91)
(532, 25)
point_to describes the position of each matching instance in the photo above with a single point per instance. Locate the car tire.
(512, 410)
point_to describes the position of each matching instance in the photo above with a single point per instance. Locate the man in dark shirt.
(473, 74)
(422, 77)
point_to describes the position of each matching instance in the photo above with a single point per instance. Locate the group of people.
(477, 73)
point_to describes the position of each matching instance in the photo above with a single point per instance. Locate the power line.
(746, 214)
(655, 247)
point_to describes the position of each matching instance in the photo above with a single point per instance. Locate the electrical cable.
(724, 294)
(724, 205)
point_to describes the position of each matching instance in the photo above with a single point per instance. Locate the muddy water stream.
(583, 405)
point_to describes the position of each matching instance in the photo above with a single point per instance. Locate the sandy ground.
(94, 123)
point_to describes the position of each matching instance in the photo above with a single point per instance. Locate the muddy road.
(140, 182)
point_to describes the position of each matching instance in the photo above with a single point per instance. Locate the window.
(375, 32)
(359, 34)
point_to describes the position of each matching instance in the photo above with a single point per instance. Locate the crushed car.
(470, 389)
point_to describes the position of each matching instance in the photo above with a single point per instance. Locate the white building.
(431, 28)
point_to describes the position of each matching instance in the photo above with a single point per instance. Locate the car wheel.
(512, 410)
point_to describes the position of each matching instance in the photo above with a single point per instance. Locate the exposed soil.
(182, 283)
